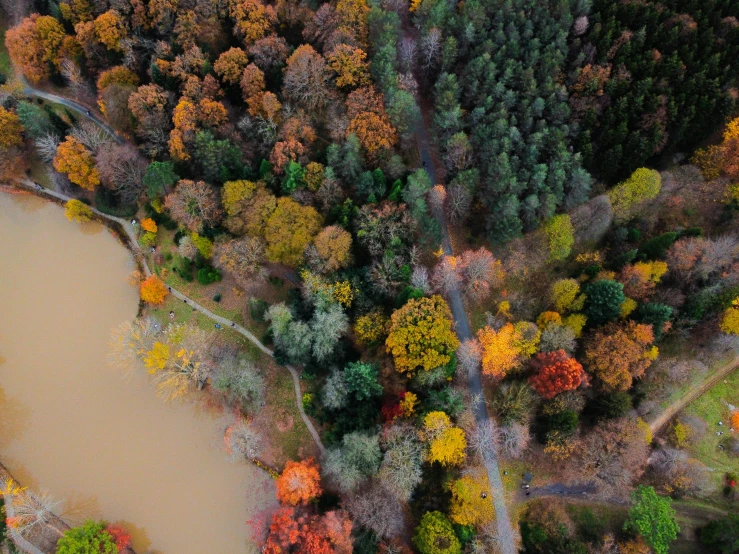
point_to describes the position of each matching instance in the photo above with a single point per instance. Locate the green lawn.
(6, 68)
(713, 407)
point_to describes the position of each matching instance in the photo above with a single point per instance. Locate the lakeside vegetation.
(269, 158)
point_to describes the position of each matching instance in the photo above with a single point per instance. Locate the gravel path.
(507, 539)
(130, 231)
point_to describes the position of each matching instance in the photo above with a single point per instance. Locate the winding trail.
(507, 539)
(79, 108)
(133, 243)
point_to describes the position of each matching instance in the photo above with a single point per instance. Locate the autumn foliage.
(500, 353)
(294, 530)
(73, 159)
(421, 335)
(119, 535)
(75, 210)
(618, 354)
(35, 45)
(153, 290)
(447, 443)
(299, 482)
(10, 129)
(557, 373)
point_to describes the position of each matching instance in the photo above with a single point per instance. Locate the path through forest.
(506, 537)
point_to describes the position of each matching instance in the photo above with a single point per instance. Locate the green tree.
(652, 517)
(603, 301)
(219, 160)
(34, 119)
(361, 380)
(722, 535)
(435, 535)
(293, 179)
(91, 538)
(159, 178)
(654, 314)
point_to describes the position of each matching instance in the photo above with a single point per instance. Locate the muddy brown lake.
(100, 442)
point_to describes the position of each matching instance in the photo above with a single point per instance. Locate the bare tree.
(407, 52)
(459, 202)
(130, 341)
(400, 471)
(377, 509)
(243, 441)
(469, 355)
(430, 48)
(122, 169)
(46, 147)
(33, 509)
(420, 279)
(242, 258)
(514, 439)
(484, 439)
(76, 81)
(91, 135)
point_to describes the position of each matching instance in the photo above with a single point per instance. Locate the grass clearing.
(6, 67)
(713, 406)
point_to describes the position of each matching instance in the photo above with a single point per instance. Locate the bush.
(91, 537)
(183, 267)
(217, 297)
(658, 246)
(257, 308)
(654, 314)
(603, 301)
(208, 275)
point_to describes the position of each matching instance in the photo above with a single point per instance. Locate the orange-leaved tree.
(333, 245)
(153, 290)
(618, 354)
(500, 350)
(73, 159)
(35, 46)
(421, 335)
(230, 64)
(557, 373)
(299, 482)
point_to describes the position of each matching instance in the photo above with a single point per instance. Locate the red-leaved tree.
(557, 373)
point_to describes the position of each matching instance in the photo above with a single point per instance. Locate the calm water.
(71, 424)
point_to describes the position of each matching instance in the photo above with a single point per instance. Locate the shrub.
(91, 537)
(656, 315)
(208, 275)
(658, 246)
(217, 297)
(603, 301)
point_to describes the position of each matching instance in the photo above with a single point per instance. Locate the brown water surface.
(69, 423)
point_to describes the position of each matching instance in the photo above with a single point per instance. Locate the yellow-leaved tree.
(289, 229)
(73, 159)
(471, 504)
(730, 319)
(421, 335)
(447, 443)
(10, 129)
(77, 211)
(500, 353)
